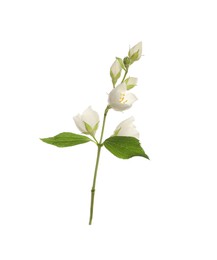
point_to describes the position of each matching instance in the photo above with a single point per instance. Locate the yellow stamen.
(122, 99)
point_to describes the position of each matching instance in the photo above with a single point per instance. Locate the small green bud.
(126, 62)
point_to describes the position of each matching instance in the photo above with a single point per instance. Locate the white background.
(54, 62)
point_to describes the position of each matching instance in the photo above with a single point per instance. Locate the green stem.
(95, 141)
(94, 184)
(103, 124)
(96, 166)
(98, 156)
(125, 74)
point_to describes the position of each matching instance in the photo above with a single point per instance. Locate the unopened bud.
(135, 52)
(115, 71)
(126, 62)
(131, 82)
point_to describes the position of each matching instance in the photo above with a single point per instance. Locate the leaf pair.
(123, 147)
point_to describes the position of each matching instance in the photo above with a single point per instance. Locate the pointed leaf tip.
(66, 139)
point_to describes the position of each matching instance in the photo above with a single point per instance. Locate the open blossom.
(115, 71)
(135, 52)
(127, 128)
(88, 122)
(120, 99)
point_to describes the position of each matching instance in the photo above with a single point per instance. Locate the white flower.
(131, 82)
(127, 128)
(88, 122)
(120, 99)
(135, 52)
(115, 71)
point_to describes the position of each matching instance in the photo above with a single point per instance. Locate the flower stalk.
(96, 166)
(94, 184)
(125, 74)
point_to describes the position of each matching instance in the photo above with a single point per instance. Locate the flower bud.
(88, 122)
(115, 71)
(131, 82)
(135, 52)
(126, 62)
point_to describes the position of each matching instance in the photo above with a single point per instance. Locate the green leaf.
(66, 139)
(124, 147)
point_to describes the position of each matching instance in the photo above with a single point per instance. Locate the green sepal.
(121, 63)
(88, 128)
(134, 57)
(91, 130)
(66, 139)
(130, 87)
(95, 127)
(117, 131)
(115, 79)
(124, 147)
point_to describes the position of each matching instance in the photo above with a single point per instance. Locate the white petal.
(90, 117)
(79, 123)
(129, 132)
(131, 98)
(120, 88)
(120, 107)
(113, 96)
(126, 122)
